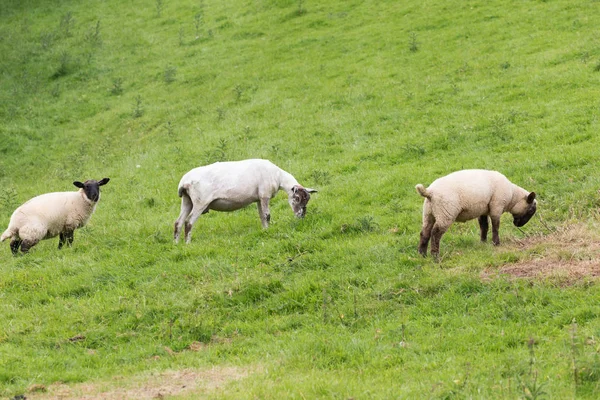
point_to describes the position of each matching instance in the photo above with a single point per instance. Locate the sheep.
(52, 214)
(469, 194)
(229, 186)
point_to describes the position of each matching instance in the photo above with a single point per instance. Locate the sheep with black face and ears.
(53, 214)
(469, 194)
(229, 186)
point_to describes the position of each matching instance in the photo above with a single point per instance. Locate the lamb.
(468, 194)
(229, 186)
(52, 214)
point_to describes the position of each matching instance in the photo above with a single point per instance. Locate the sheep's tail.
(183, 189)
(422, 191)
(7, 234)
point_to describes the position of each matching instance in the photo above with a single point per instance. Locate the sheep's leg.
(436, 236)
(198, 210)
(425, 235)
(484, 227)
(65, 237)
(70, 238)
(188, 229)
(186, 209)
(263, 212)
(495, 229)
(28, 244)
(14, 246)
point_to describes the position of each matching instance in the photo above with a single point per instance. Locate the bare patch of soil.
(150, 386)
(567, 256)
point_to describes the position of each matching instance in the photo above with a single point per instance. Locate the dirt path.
(148, 386)
(567, 256)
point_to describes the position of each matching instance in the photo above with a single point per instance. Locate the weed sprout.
(138, 111)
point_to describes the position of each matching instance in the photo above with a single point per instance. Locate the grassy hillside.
(361, 100)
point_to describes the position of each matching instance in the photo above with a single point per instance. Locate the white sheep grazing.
(229, 186)
(468, 194)
(52, 214)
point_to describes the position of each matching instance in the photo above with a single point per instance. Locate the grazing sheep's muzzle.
(521, 220)
(299, 200)
(300, 213)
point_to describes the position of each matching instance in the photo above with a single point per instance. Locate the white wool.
(469, 194)
(50, 214)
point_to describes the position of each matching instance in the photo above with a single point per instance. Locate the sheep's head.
(91, 188)
(298, 200)
(524, 210)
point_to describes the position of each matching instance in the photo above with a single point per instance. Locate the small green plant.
(46, 39)
(117, 86)
(159, 7)
(239, 91)
(218, 153)
(574, 353)
(320, 177)
(367, 224)
(149, 202)
(247, 134)
(360, 225)
(277, 150)
(66, 23)
(93, 36)
(532, 389)
(55, 91)
(170, 74)
(63, 65)
(413, 149)
(89, 57)
(8, 198)
(220, 113)
(585, 365)
(181, 36)
(170, 132)
(138, 110)
(198, 23)
(465, 68)
(413, 44)
(300, 10)
(25, 26)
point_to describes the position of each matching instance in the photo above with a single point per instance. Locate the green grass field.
(361, 100)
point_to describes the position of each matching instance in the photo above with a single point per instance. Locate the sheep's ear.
(103, 181)
(78, 184)
(531, 197)
(309, 190)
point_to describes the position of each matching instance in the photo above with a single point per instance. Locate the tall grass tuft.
(138, 109)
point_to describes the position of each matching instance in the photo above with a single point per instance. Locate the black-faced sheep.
(52, 214)
(229, 186)
(469, 194)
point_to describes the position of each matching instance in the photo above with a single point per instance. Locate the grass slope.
(359, 99)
